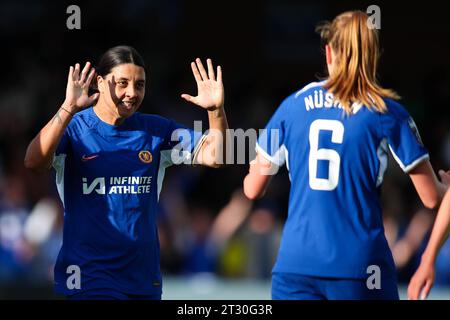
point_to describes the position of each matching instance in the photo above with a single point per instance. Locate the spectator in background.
(204, 236)
(251, 252)
(29, 238)
(15, 251)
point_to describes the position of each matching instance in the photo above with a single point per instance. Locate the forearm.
(440, 232)
(213, 150)
(218, 122)
(258, 177)
(253, 189)
(41, 149)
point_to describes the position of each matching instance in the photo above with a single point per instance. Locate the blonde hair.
(356, 51)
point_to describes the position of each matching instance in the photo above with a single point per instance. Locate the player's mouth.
(128, 104)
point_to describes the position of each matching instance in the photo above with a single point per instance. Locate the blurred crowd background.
(267, 49)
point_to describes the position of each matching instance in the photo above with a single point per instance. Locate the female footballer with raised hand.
(334, 137)
(109, 161)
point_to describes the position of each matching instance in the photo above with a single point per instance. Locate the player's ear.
(329, 54)
(100, 84)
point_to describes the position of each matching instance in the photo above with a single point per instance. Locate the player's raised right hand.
(77, 90)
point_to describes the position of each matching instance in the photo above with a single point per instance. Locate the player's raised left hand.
(210, 94)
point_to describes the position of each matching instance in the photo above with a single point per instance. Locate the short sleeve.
(271, 140)
(63, 143)
(181, 143)
(403, 138)
(59, 161)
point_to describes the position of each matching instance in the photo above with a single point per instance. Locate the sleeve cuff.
(278, 158)
(407, 168)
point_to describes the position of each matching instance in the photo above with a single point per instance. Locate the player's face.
(124, 89)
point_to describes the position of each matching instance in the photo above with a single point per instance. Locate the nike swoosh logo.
(87, 158)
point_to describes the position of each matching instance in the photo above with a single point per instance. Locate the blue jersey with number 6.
(336, 164)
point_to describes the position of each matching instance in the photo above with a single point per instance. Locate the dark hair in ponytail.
(114, 57)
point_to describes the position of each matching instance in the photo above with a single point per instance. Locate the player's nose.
(131, 92)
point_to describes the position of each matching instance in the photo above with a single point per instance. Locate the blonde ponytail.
(356, 51)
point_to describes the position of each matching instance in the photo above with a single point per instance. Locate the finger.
(70, 76)
(93, 98)
(90, 77)
(76, 72)
(219, 74)
(414, 288)
(85, 71)
(202, 69)
(445, 177)
(210, 70)
(426, 290)
(444, 174)
(197, 75)
(188, 97)
(416, 291)
(412, 292)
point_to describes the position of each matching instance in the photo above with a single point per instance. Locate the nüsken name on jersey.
(118, 185)
(318, 100)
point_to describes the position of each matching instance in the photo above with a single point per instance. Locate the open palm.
(210, 94)
(77, 91)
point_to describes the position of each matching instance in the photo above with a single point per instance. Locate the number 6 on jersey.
(330, 155)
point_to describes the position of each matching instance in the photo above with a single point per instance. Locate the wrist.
(219, 111)
(70, 107)
(427, 259)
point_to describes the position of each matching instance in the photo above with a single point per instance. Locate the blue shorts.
(104, 294)
(288, 286)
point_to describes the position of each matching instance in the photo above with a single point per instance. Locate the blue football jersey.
(109, 178)
(336, 164)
